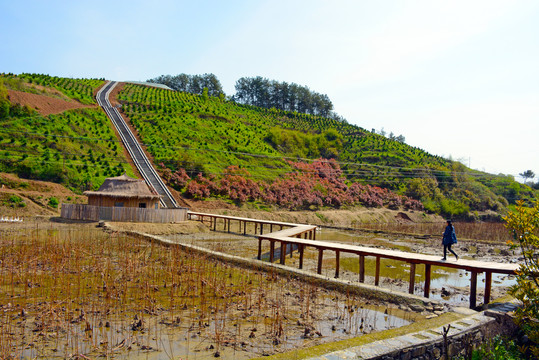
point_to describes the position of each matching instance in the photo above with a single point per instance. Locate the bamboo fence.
(123, 214)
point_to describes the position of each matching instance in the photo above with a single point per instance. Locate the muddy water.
(451, 286)
(90, 294)
(454, 282)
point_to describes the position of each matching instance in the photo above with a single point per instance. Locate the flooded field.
(72, 292)
(447, 285)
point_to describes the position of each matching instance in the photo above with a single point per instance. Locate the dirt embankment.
(329, 217)
(28, 198)
(44, 104)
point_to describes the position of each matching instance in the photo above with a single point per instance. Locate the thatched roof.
(124, 187)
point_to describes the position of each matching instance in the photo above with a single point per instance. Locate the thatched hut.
(124, 191)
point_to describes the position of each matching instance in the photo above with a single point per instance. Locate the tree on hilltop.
(262, 92)
(528, 174)
(194, 84)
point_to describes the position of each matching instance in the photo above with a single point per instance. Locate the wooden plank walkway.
(293, 229)
(302, 236)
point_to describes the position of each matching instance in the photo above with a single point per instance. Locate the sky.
(459, 79)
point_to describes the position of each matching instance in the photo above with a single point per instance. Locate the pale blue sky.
(456, 78)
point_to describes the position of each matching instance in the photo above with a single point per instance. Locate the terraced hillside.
(77, 148)
(208, 146)
(198, 134)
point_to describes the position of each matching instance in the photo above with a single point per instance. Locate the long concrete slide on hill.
(140, 159)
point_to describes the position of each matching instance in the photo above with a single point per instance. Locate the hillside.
(55, 132)
(23, 198)
(211, 147)
(191, 134)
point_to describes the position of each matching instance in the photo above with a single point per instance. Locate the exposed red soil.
(44, 104)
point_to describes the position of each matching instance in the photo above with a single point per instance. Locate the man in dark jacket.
(449, 239)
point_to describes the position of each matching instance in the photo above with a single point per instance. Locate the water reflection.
(453, 281)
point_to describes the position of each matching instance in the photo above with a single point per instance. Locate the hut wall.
(95, 213)
(129, 202)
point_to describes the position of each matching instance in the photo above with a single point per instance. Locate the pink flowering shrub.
(177, 179)
(320, 183)
(237, 186)
(200, 187)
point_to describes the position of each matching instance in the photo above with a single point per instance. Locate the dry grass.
(71, 291)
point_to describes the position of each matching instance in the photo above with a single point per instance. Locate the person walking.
(449, 239)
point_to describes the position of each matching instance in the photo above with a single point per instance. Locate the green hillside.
(208, 146)
(206, 134)
(76, 148)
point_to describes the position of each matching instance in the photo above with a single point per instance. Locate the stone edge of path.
(462, 333)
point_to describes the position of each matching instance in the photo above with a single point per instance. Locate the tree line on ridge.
(255, 91)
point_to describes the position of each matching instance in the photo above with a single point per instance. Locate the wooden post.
(281, 227)
(488, 286)
(244, 227)
(337, 262)
(301, 256)
(214, 223)
(320, 256)
(361, 268)
(412, 278)
(314, 234)
(259, 257)
(261, 228)
(473, 289)
(426, 292)
(228, 225)
(256, 228)
(310, 235)
(271, 228)
(283, 252)
(377, 274)
(272, 249)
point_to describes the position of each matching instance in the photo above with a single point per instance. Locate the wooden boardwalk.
(302, 236)
(293, 229)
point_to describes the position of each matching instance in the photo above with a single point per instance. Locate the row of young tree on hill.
(255, 91)
(194, 84)
(262, 92)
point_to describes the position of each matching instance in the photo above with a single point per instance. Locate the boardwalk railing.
(308, 231)
(292, 237)
(123, 214)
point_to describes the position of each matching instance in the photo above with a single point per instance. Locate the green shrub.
(498, 348)
(53, 202)
(452, 208)
(523, 223)
(14, 201)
